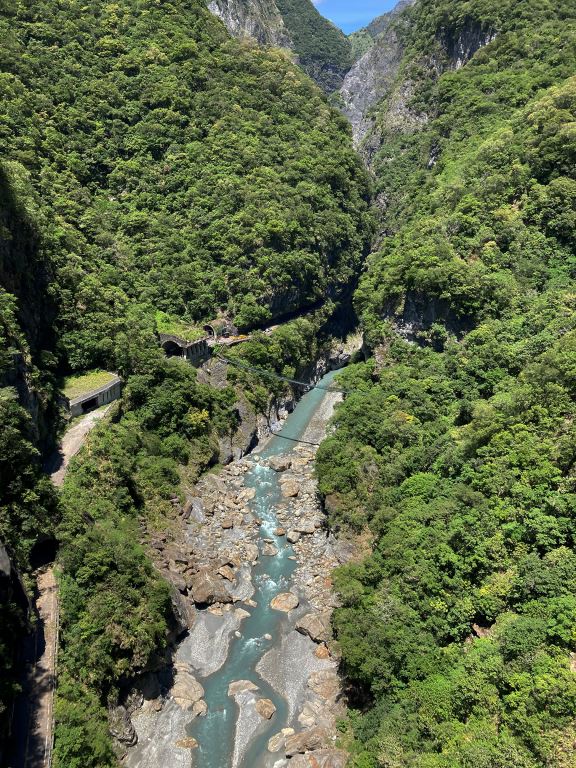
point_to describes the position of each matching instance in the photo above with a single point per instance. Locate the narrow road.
(34, 707)
(33, 718)
(73, 440)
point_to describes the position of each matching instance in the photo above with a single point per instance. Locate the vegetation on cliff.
(159, 174)
(177, 169)
(28, 505)
(324, 51)
(457, 632)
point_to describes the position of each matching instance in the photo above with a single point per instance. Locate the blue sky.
(353, 14)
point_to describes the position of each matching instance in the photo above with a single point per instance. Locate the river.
(217, 733)
(265, 650)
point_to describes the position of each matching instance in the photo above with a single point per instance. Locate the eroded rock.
(120, 726)
(285, 601)
(316, 626)
(208, 587)
(265, 708)
(306, 741)
(280, 463)
(186, 690)
(241, 686)
(290, 489)
(325, 683)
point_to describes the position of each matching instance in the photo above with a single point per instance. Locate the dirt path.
(33, 720)
(72, 441)
(43, 674)
(34, 707)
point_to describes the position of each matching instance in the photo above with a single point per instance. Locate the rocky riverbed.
(211, 566)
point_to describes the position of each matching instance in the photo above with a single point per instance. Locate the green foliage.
(154, 174)
(28, 505)
(115, 609)
(323, 50)
(176, 169)
(457, 453)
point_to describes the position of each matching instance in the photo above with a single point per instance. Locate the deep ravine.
(248, 689)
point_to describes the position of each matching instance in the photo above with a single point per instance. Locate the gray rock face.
(258, 19)
(208, 587)
(373, 76)
(5, 564)
(321, 758)
(121, 726)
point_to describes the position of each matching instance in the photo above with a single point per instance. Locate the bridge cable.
(308, 385)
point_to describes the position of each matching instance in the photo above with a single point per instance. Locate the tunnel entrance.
(90, 405)
(43, 552)
(172, 349)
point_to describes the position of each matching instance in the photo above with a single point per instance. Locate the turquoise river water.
(216, 732)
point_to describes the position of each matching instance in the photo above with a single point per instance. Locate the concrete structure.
(195, 352)
(95, 398)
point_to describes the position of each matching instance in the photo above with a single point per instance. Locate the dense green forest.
(323, 50)
(153, 168)
(457, 452)
(117, 613)
(28, 503)
(150, 165)
(183, 171)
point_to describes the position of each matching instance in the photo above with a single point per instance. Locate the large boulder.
(290, 489)
(241, 686)
(285, 601)
(316, 626)
(321, 758)
(280, 463)
(208, 587)
(277, 742)
(325, 683)
(305, 526)
(186, 690)
(306, 741)
(265, 708)
(269, 549)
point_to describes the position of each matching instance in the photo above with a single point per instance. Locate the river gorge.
(254, 682)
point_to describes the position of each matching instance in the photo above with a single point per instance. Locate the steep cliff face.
(373, 76)
(27, 311)
(258, 19)
(322, 50)
(378, 93)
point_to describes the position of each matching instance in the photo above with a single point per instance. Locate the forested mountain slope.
(184, 171)
(323, 50)
(457, 632)
(28, 506)
(149, 163)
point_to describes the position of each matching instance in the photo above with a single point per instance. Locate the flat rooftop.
(173, 326)
(85, 383)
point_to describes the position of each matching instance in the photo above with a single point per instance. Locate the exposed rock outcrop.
(316, 626)
(257, 19)
(208, 587)
(377, 94)
(373, 76)
(294, 25)
(285, 601)
(186, 690)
